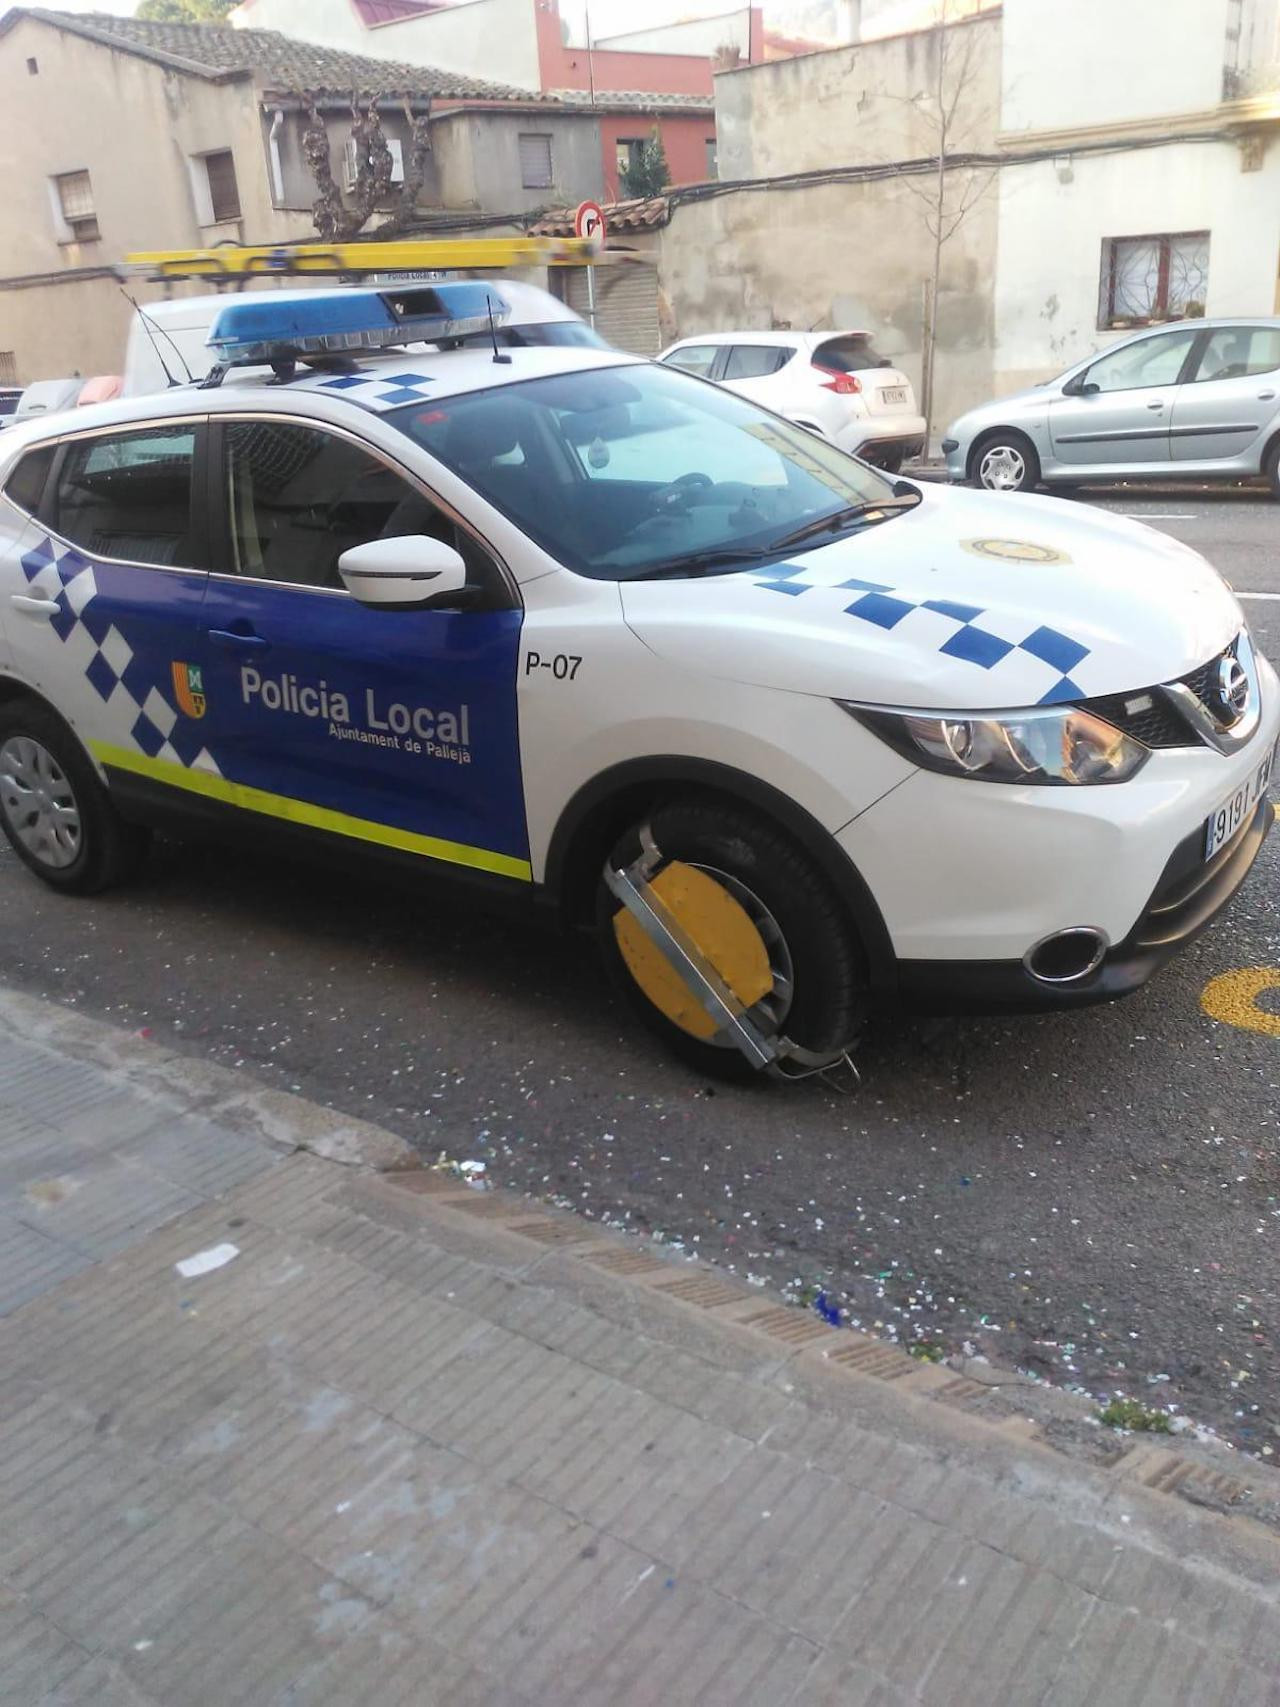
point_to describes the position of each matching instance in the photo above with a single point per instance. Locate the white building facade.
(1155, 194)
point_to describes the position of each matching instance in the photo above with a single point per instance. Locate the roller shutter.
(626, 305)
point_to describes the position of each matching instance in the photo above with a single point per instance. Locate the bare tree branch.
(415, 175)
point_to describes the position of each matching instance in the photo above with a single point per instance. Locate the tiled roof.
(643, 214)
(635, 101)
(279, 62)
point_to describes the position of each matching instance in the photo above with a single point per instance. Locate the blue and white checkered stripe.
(136, 706)
(379, 391)
(949, 627)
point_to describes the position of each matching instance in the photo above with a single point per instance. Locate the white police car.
(800, 740)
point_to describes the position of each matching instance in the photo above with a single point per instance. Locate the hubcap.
(38, 804)
(1002, 469)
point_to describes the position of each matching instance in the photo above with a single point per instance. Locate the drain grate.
(1195, 1483)
(796, 1327)
(478, 1204)
(625, 1262)
(546, 1232)
(871, 1358)
(424, 1182)
(964, 1394)
(702, 1289)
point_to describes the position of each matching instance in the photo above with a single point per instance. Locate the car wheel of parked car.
(764, 916)
(56, 814)
(1271, 468)
(1005, 462)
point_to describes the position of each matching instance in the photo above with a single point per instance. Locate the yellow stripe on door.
(292, 811)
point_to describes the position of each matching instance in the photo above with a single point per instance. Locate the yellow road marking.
(314, 817)
(1233, 999)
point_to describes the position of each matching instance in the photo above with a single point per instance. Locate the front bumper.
(968, 877)
(1189, 896)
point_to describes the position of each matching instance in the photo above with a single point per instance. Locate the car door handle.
(35, 607)
(238, 642)
(1265, 396)
(1156, 405)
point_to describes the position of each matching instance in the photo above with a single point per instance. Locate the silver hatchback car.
(1196, 400)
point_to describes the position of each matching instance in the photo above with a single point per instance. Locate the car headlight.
(1053, 745)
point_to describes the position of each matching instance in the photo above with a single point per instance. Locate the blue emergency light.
(263, 328)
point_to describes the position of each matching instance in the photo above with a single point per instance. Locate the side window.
(755, 361)
(128, 495)
(1151, 361)
(694, 358)
(25, 486)
(1237, 352)
(297, 498)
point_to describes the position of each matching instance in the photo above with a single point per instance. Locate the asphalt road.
(1094, 1198)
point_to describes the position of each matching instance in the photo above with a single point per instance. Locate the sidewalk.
(420, 1444)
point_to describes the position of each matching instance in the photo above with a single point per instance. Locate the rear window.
(848, 355)
(25, 486)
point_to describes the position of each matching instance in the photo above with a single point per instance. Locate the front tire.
(800, 929)
(54, 811)
(1004, 461)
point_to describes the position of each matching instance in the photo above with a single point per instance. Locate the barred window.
(1147, 280)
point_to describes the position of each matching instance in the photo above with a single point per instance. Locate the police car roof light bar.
(264, 328)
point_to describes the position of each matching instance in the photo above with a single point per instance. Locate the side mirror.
(1080, 386)
(408, 573)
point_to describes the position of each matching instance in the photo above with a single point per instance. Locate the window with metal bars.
(535, 161)
(75, 198)
(1147, 280)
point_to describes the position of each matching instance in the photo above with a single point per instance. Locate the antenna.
(502, 361)
(151, 330)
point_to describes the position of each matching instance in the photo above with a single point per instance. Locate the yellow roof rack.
(446, 254)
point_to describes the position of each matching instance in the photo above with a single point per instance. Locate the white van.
(168, 341)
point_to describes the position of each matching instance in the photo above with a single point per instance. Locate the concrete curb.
(180, 1085)
(1003, 1408)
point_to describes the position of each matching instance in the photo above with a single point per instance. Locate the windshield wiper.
(852, 513)
(702, 563)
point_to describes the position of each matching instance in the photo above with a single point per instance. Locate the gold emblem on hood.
(1014, 551)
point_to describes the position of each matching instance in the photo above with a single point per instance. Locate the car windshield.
(620, 473)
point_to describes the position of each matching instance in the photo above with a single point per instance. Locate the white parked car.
(833, 383)
(797, 741)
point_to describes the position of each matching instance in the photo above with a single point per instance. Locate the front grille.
(1201, 681)
(1154, 722)
(1148, 716)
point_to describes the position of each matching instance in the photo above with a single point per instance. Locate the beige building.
(824, 214)
(121, 135)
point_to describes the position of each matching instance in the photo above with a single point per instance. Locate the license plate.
(893, 393)
(1233, 812)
